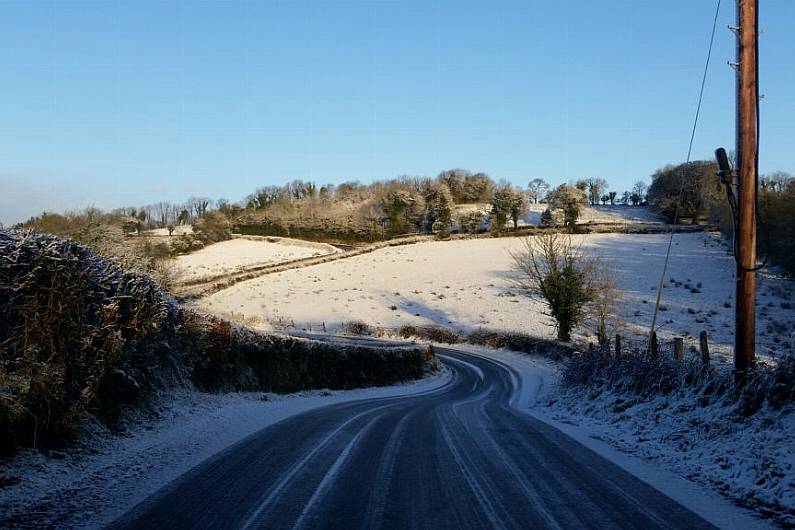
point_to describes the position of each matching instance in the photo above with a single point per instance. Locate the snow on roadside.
(98, 481)
(709, 479)
(751, 462)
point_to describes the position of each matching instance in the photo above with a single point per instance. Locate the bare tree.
(638, 192)
(596, 188)
(198, 206)
(537, 189)
(602, 310)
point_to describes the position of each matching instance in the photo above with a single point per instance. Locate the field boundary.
(206, 286)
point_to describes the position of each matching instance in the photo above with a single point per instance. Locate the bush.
(551, 270)
(357, 327)
(519, 342)
(431, 334)
(180, 245)
(80, 336)
(71, 324)
(470, 221)
(646, 378)
(547, 219)
(158, 250)
(212, 227)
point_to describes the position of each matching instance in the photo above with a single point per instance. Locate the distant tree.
(687, 189)
(212, 227)
(638, 192)
(438, 207)
(400, 208)
(455, 180)
(506, 203)
(348, 190)
(612, 197)
(596, 188)
(776, 182)
(477, 188)
(184, 217)
(198, 205)
(470, 221)
(571, 200)
(547, 218)
(170, 229)
(604, 198)
(536, 189)
(625, 198)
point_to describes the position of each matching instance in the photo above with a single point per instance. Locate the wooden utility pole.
(747, 106)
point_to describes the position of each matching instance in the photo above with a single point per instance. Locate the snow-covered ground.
(94, 483)
(466, 284)
(597, 214)
(751, 461)
(240, 253)
(531, 216)
(179, 230)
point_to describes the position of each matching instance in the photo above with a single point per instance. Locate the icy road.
(460, 456)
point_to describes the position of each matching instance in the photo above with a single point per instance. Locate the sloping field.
(466, 284)
(241, 253)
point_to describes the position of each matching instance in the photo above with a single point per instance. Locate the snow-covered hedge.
(80, 336)
(647, 378)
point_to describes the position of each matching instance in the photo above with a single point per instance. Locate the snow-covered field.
(240, 253)
(590, 214)
(466, 284)
(179, 230)
(94, 483)
(597, 214)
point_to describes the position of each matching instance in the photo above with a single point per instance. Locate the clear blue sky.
(129, 102)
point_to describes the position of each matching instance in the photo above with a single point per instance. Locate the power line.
(687, 162)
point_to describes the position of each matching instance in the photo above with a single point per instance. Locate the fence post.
(618, 346)
(679, 348)
(653, 350)
(704, 348)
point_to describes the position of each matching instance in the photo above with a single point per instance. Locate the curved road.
(456, 457)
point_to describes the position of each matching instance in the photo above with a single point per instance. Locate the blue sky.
(130, 102)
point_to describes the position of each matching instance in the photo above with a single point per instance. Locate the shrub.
(547, 219)
(71, 324)
(470, 221)
(357, 327)
(649, 377)
(180, 245)
(570, 199)
(551, 270)
(431, 334)
(81, 336)
(519, 342)
(212, 227)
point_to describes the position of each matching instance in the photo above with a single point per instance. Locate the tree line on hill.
(353, 212)
(364, 212)
(693, 193)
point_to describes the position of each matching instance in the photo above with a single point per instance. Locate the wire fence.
(645, 347)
